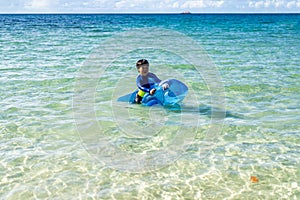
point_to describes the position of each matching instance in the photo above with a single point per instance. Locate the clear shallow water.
(42, 155)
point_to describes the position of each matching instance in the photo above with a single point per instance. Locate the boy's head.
(142, 67)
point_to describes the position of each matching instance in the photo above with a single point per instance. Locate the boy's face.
(144, 69)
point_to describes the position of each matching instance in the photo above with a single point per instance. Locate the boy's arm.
(157, 80)
(139, 85)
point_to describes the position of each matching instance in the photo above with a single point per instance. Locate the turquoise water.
(43, 156)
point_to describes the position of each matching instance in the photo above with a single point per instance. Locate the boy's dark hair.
(141, 62)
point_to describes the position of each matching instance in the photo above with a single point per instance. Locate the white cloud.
(274, 3)
(217, 4)
(201, 4)
(137, 4)
(100, 2)
(293, 4)
(253, 4)
(168, 5)
(40, 5)
(121, 4)
(92, 3)
(279, 3)
(193, 4)
(165, 5)
(175, 5)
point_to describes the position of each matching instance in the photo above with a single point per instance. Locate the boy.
(146, 80)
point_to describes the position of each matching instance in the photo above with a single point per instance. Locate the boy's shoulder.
(151, 74)
(139, 77)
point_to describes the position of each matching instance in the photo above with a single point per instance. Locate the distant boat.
(186, 12)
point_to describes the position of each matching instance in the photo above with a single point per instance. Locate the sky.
(149, 6)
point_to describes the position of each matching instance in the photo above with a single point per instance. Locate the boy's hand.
(165, 86)
(152, 91)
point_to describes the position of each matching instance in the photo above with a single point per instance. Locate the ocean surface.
(64, 136)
